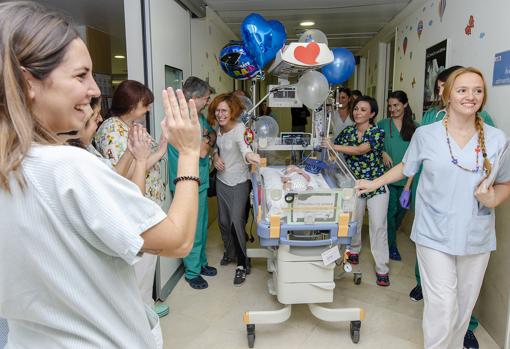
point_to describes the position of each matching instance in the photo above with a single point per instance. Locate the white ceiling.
(346, 23)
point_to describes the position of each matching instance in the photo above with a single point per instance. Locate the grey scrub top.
(448, 218)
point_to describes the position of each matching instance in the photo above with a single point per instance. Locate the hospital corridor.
(269, 174)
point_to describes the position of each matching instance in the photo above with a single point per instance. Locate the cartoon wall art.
(470, 25)
(441, 8)
(419, 28)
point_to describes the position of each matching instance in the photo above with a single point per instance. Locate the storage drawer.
(309, 271)
(304, 293)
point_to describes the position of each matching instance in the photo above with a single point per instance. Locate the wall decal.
(414, 82)
(410, 54)
(441, 8)
(430, 23)
(470, 25)
(482, 35)
(419, 29)
(401, 77)
(404, 45)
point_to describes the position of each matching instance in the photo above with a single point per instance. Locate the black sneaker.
(225, 260)
(240, 276)
(207, 270)
(470, 341)
(416, 294)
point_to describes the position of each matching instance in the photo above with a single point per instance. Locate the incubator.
(304, 202)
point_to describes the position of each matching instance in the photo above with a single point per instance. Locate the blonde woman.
(453, 231)
(72, 228)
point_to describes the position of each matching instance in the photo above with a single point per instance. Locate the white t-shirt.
(233, 149)
(69, 242)
(337, 124)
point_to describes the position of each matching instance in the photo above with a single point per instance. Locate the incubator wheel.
(355, 331)
(357, 278)
(250, 329)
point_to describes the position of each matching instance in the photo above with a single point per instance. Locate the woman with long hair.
(398, 130)
(362, 145)
(72, 228)
(231, 158)
(131, 101)
(454, 233)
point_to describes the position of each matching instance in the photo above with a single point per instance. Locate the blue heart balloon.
(342, 66)
(262, 39)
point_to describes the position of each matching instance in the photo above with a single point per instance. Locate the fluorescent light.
(307, 23)
(119, 56)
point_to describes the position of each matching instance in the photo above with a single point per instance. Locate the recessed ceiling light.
(119, 56)
(307, 23)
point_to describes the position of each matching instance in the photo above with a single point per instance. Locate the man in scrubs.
(195, 264)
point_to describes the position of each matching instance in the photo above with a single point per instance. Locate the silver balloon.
(312, 89)
(266, 127)
(247, 105)
(314, 35)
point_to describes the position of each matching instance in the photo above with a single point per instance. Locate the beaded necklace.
(454, 160)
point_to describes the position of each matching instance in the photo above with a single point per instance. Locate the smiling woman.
(72, 228)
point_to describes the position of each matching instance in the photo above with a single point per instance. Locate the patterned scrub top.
(111, 141)
(366, 166)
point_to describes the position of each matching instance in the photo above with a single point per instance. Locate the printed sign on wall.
(501, 74)
(435, 62)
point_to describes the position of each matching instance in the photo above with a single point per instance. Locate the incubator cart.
(302, 209)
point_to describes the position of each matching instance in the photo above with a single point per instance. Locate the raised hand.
(139, 142)
(180, 125)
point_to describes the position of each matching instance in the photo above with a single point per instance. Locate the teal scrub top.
(203, 165)
(434, 114)
(394, 145)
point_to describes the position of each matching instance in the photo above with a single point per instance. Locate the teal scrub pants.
(395, 215)
(473, 322)
(197, 259)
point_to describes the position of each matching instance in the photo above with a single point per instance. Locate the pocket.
(481, 229)
(155, 326)
(437, 223)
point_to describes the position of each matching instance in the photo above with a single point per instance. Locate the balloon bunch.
(261, 41)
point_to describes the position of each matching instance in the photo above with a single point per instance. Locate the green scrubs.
(196, 259)
(432, 115)
(395, 147)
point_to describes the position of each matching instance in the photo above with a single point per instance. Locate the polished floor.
(212, 318)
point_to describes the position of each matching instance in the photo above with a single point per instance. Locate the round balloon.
(236, 63)
(247, 105)
(312, 89)
(266, 127)
(313, 35)
(262, 39)
(342, 66)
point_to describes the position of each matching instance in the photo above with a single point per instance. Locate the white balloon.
(314, 35)
(247, 105)
(266, 127)
(312, 89)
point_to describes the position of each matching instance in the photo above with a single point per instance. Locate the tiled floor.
(212, 318)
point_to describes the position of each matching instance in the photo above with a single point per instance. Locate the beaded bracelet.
(187, 178)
